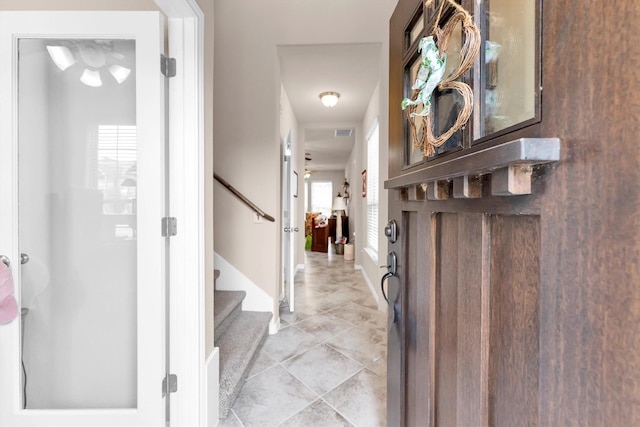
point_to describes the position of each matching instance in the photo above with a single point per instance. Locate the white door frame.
(186, 190)
(187, 178)
(288, 206)
(146, 28)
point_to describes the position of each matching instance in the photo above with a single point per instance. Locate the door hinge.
(169, 384)
(167, 66)
(169, 226)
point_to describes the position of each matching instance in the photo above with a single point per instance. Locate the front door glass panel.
(448, 103)
(509, 73)
(413, 153)
(78, 157)
(416, 30)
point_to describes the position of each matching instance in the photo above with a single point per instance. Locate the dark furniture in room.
(320, 235)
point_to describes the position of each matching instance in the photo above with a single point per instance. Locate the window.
(373, 142)
(321, 199)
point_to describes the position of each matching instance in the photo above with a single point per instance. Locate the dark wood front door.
(516, 300)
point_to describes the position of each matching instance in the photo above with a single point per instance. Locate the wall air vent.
(343, 132)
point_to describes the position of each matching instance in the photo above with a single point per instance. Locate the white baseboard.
(274, 325)
(299, 267)
(212, 388)
(371, 288)
(232, 279)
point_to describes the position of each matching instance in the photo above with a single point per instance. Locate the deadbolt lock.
(391, 231)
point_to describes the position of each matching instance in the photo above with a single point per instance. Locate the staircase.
(239, 335)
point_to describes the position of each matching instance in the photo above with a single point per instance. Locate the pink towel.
(8, 304)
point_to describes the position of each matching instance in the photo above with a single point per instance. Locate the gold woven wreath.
(427, 141)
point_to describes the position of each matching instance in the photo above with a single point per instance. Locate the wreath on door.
(433, 49)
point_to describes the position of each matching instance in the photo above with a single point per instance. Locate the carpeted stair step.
(227, 306)
(239, 346)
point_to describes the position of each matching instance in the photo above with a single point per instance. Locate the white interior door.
(289, 186)
(83, 193)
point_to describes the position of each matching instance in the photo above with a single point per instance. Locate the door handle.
(384, 294)
(392, 263)
(395, 306)
(296, 229)
(24, 258)
(396, 312)
(392, 267)
(287, 229)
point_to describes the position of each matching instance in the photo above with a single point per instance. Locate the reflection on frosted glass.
(509, 73)
(78, 192)
(117, 155)
(448, 103)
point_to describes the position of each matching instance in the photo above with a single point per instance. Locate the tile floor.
(327, 365)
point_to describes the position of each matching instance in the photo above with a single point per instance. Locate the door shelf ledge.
(510, 166)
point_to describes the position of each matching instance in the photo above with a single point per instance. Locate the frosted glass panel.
(77, 209)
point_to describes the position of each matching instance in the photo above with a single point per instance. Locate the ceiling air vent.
(343, 132)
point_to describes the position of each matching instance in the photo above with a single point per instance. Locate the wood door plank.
(591, 244)
(409, 315)
(515, 304)
(471, 410)
(446, 322)
(416, 315)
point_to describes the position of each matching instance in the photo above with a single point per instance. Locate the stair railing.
(241, 196)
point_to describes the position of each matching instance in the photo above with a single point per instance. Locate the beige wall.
(377, 111)
(207, 8)
(353, 172)
(247, 140)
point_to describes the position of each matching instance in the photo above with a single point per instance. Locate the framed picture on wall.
(364, 183)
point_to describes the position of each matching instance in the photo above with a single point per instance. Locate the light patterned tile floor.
(327, 365)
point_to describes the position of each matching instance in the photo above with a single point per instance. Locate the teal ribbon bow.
(430, 74)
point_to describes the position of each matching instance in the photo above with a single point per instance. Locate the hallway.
(327, 364)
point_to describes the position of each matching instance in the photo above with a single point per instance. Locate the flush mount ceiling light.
(329, 99)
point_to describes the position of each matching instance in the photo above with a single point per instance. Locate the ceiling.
(326, 150)
(352, 70)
